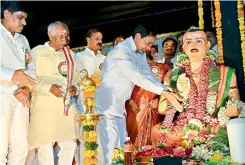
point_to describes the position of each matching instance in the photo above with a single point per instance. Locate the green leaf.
(174, 75)
(214, 78)
(91, 145)
(88, 128)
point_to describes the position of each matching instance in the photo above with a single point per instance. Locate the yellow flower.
(89, 88)
(90, 161)
(91, 103)
(200, 14)
(218, 25)
(85, 134)
(92, 134)
(240, 15)
(90, 154)
(216, 157)
(90, 139)
(85, 122)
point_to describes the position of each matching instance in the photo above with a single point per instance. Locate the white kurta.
(48, 122)
(14, 117)
(122, 69)
(88, 60)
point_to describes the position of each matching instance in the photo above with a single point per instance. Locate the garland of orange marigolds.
(212, 14)
(240, 18)
(200, 13)
(219, 31)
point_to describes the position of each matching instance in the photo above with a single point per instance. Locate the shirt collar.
(3, 29)
(130, 41)
(48, 46)
(89, 50)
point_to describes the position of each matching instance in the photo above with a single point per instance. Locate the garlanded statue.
(208, 92)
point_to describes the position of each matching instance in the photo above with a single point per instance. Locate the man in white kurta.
(48, 123)
(90, 59)
(124, 67)
(14, 112)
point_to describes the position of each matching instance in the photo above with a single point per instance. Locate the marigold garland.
(200, 13)
(212, 14)
(240, 16)
(219, 31)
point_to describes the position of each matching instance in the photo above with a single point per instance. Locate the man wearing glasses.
(15, 85)
(124, 67)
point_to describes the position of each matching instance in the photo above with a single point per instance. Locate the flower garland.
(240, 15)
(209, 80)
(212, 14)
(200, 13)
(219, 31)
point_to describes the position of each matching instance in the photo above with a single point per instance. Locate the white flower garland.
(211, 102)
(202, 152)
(197, 123)
(209, 119)
(222, 117)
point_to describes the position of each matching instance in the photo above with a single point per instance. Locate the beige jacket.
(48, 122)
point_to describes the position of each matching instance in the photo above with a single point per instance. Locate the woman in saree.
(142, 109)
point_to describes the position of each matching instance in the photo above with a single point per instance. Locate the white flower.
(196, 122)
(202, 152)
(209, 119)
(211, 102)
(222, 117)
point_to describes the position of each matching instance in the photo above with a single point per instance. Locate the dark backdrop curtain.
(232, 42)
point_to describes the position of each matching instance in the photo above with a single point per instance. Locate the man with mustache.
(15, 85)
(169, 47)
(90, 59)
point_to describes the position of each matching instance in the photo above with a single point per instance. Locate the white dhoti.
(14, 131)
(65, 154)
(32, 158)
(112, 133)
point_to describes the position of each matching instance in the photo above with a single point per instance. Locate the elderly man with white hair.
(56, 76)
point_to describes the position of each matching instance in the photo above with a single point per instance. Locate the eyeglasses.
(147, 43)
